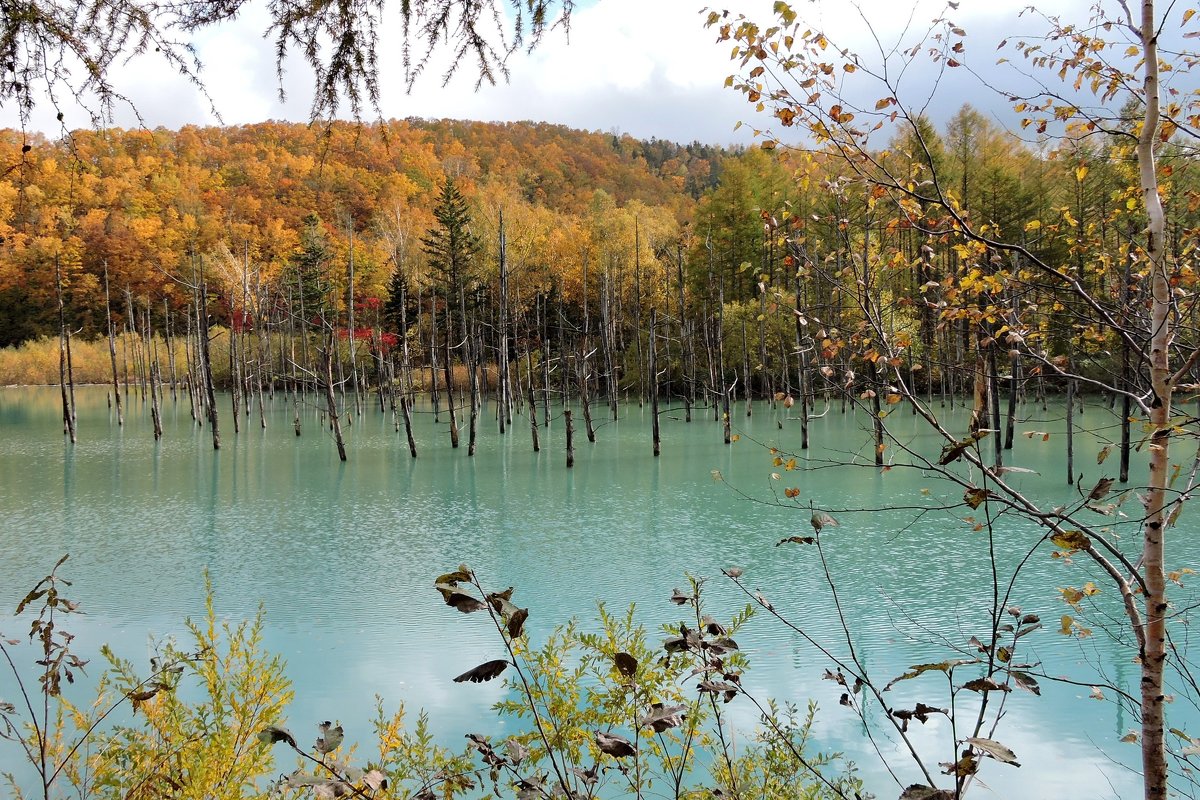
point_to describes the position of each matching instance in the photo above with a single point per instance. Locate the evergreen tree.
(306, 274)
(451, 246)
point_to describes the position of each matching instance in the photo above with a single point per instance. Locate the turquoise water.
(343, 557)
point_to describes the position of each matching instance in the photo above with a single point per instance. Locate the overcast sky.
(644, 67)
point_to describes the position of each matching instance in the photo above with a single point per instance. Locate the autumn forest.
(740, 272)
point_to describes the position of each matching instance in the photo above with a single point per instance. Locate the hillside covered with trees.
(599, 230)
(148, 203)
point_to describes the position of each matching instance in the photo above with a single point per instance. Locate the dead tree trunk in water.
(584, 399)
(801, 363)
(687, 355)
(544, 327)
(206, 360)
(532, 402)
(112, 347)
(606, 331)
(155, 377)
(170, 345)
(994, 397)
(637, 311)
(235, 375)
(190, 357)
(446, 368)
(652, 373)
(725, 388)
(404, 409)
(358, 389)
(1070, 430)
(746, 371)
(65, 378)
(433, 363)
(472, 358)
(503, 388)
(330, 401)
(570, 438)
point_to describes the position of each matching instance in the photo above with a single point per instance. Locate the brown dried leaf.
(919, 791)
(331, 737)
(486, 671)
(1027, 682)
(1101, 489)
(462, 574)
(994, 749)
(516, 623)
(663, 717)
(276, 733)
(986, 685)
(626, 664)
(460, 600)
(375, 780)
(614, 745)
(940, 666)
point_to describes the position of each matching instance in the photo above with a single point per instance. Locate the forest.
(522, 258)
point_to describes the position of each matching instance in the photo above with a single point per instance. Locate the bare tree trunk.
(1126, 380)
(64, 373)
(606, 325)
(994, 396)
(532, 402)
(139, 357)
(235, 376)
(725, 388)
(473, 363)
(330, 401)
(446, 368)
(652, 372)
(1014, 383)
(112, 347)
(358, 398)
(189, 355)
(503, 388)
(570, 438)
(801, 364)
(687, 355)
(433, 365)
(1070, 430)
(544, 327)
(407, 412)
(155, 411)
(206, 362)
(170, 343)
(1153, 659)
(746, 371)
(584, 400)
(637, 310)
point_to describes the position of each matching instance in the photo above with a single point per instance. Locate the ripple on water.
(343, 556)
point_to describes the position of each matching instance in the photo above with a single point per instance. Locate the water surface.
(343, 557)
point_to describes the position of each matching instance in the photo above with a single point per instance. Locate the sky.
(644, 67)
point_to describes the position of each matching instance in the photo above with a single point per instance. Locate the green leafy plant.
(613, 712)
(186, 730)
